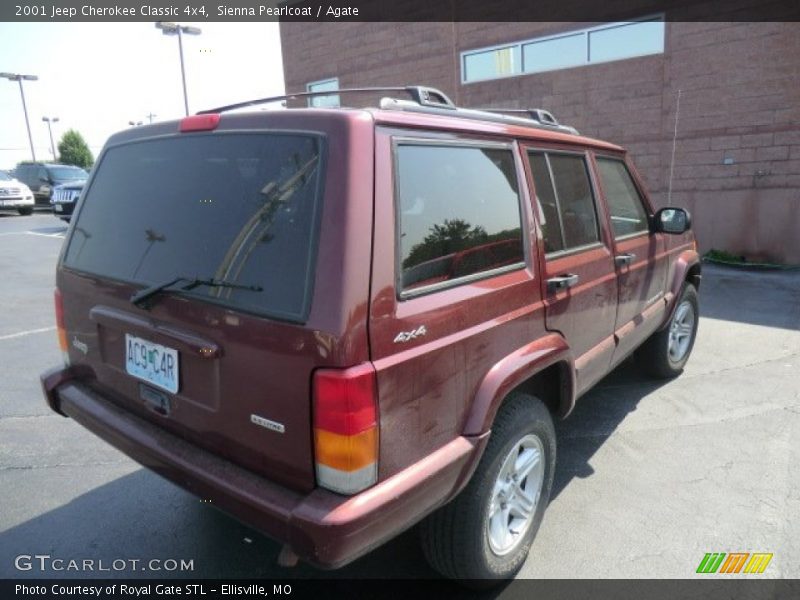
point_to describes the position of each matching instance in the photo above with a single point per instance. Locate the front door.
(639, 256)
(580, 278)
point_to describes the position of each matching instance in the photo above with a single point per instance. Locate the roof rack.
(421, 95)
(537, 114)
(537, 117)
(425, 100)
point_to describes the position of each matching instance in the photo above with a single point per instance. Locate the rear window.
(242, 208)
(66, 173)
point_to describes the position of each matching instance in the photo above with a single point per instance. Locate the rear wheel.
(25, 210)
(665, 353)
(485, 533)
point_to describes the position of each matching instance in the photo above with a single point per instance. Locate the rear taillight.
(60, 329)
(346, 428)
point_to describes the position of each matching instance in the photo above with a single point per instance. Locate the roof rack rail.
(538, 118)
(537, 114)
(425, 100)
(421, 95)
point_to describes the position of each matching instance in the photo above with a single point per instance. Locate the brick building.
(737, 150)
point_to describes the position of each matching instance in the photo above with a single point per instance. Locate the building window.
(555, 53)
(324, 85)
(626, 40)
(604, 43)
(491, 64)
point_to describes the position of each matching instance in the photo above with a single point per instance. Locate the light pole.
(180, 30)
(50, 120)
(19, 77)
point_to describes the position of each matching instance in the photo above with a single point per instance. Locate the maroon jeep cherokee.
(335, 323)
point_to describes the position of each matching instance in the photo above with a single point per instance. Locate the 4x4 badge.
(407, 336)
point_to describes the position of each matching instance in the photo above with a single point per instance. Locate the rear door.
(227, 368)
(580, 280)
(454, 288)
(639, 255)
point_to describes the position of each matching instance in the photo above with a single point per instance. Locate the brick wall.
(740, 104)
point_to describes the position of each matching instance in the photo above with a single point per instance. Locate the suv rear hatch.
(225, 363)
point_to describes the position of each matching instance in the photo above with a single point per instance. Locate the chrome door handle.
(562, 282)
(624, 259)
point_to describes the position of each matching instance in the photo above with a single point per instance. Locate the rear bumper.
(321, 527)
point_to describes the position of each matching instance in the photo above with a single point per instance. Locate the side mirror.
(44, 180)
(672, 220)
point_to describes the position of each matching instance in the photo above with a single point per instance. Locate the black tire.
(25, 210)
(654, 356)
(455, 539)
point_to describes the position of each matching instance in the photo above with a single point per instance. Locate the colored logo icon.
(736, 562)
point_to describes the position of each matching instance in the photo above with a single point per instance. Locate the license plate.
(58, 208)
(153, 363)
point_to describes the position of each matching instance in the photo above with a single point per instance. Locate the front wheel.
(665, 353)
(25, 210)
(485, 533)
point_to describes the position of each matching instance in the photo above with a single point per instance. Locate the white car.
(15, 195)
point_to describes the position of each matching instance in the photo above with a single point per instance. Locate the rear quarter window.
(242, 208)
(458, 214)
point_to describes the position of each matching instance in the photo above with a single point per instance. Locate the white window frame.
(586, 59)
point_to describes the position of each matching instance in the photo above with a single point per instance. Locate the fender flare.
(685, 261)
(513, 370)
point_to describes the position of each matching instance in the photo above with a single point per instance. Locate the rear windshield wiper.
(140, 297)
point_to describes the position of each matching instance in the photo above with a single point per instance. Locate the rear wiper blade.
(140, 297)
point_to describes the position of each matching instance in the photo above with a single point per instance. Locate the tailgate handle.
(624, 259)
(183, 340)
(562, 282)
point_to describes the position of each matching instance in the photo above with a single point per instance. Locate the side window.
(458, 211)
(628, 215)
(565, 201)
(546, 203)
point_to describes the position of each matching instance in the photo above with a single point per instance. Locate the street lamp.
(50, 120)
(19, 78)
(134, 123)
(179, 30)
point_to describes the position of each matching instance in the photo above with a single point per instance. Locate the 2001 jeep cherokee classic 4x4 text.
(335, 323)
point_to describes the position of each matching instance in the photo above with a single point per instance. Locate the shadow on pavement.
(755, 297)
(595, 418)
(141, 516)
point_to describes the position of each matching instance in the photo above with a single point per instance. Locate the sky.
(96, 77)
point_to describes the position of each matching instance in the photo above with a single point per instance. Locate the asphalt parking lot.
(650, 476)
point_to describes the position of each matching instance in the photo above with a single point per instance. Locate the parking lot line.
(20, 334)
(48, 235)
